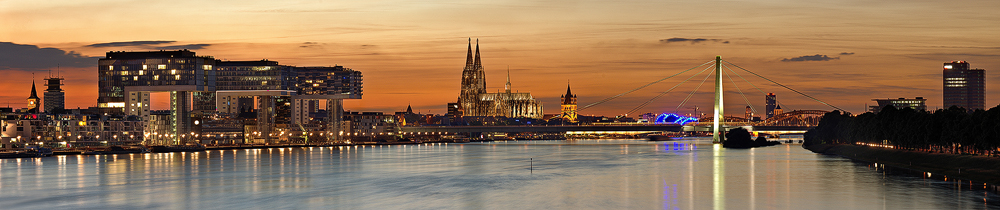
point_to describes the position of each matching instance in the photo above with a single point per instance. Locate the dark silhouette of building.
(918, 104)
(771, 101)
(454, 111)
(964, 87)
(55, 99)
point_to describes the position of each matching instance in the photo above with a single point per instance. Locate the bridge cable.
(665, 92)
(693, 91)
(741, 93)
(640, 87)
(754, 86)
(786, 87)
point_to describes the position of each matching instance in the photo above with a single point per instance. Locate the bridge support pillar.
(719, 119)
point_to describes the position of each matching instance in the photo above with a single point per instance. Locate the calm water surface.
(583, 174)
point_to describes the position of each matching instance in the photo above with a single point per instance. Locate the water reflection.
(589, 174)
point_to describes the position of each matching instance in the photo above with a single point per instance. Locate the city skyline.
(842, 53)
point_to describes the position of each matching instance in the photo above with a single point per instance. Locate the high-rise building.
(474, 101)
(454, 111)
(569, 105)
(964, 87)
(918, 103)
(770, 101)
(54, 96)
(748, 114)
(33, 99)
(127, 78)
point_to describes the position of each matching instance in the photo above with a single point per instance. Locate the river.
(580, 174)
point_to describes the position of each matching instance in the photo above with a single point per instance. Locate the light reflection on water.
(582, 174)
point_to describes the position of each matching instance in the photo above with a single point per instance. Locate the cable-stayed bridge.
(793, 121)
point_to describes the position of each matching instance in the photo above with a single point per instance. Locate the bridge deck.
(565, 128)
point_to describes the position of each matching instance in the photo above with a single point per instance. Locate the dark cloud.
(186, 46)
(816, 57)
(847, 53)
(31, 57)
(130, 43)
(692, 41)
(309, 43)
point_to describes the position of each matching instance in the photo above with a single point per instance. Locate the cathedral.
(475, 101)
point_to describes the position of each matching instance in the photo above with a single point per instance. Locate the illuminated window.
(156, 77)
(161, 66)
(141, 72)
(206, 67)
(173, 71)
(144, 67)
(177, 77)
(135, 77)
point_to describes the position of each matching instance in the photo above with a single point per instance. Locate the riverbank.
(970, 167)
(22, 153)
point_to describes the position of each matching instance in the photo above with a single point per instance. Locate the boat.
(29, 152)
(660, 138)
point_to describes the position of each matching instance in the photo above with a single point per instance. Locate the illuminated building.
(158, 127)
(777, 110)
(369, 123)
(454, 111)
(770, 101)
(54, 96)
(748, 114)
(476, 102)
(918, 104)
(71, 129)
(33, 99)
(964, 87)
(202, 86)
(126, 80)
(568, 105)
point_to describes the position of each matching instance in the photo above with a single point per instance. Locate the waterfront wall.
(968, 167)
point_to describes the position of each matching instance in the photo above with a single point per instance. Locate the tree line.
(952, 130)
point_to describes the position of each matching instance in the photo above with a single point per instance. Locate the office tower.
(964, 87)
(54, 96)
(771, 101)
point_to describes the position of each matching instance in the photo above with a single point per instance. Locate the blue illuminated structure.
(674, 118)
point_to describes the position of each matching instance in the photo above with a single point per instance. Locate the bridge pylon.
(717, 136)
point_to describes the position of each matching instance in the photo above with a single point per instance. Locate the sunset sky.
(412, 52)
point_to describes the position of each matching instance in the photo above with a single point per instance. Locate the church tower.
(33, 99)
(473, 84)
(569, 105)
